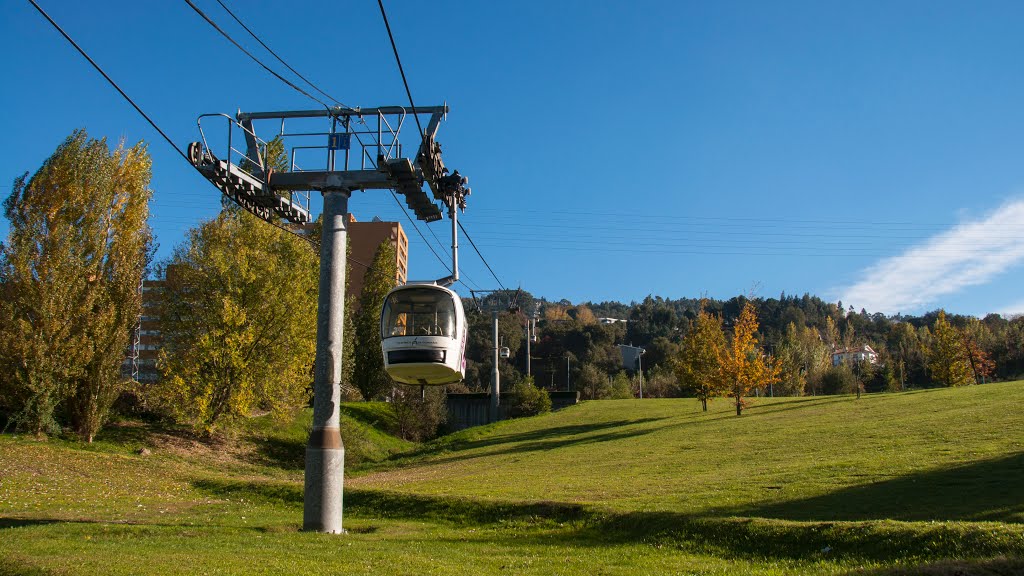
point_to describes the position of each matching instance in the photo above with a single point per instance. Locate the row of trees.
(238, 319)
(237, 313)
(577, 351)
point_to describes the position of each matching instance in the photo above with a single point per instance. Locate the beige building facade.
(364, 238)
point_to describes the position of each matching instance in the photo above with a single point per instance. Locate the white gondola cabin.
(423, 335)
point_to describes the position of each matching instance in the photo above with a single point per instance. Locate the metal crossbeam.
(341, 112)
(263, 191)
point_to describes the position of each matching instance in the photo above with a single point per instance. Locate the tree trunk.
(704, 403)
(739, 406)
(970, 356)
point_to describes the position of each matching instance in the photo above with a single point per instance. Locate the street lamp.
(640, 369)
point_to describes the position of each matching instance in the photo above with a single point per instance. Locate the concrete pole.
(529, 337)
(325, 454)
(640, 363)
(495, 375)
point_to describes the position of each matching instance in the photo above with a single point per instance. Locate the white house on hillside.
(856, 354)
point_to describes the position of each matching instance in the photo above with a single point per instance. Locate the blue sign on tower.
(338, 141)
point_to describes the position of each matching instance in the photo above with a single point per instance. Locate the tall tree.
(584, 316)
(831, 335)
(743, 365)
(238, 318)
(593, 384)
(368, 363)
(803, 358)
(908, 355)
(71, 271)
(948, 363)
(699, 365)
(973, 337)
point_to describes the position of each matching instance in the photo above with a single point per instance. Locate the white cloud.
(1013, 310)
(969, 254)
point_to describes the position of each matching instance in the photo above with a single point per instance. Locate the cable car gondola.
(423, 335)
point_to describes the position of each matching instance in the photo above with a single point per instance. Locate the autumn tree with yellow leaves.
(948, 360)
(70, 273)
(699, 365)
(744, 366)
(238, 317)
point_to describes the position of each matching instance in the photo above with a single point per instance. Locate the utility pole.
(495, 373)
(496, 307)
(529, 338)
(246, 178)
(568, 385)
(640, 369)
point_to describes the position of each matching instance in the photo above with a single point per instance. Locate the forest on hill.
(576, 346)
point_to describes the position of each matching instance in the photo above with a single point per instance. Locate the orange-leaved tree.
(971, 336)
(744, 367)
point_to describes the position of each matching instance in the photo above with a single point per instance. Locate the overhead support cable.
(401, 70)
(142, 113)
(254, 58)
(482, 259)
(109, 80)
(311, 84)
(424, 238)
(408, 92)
(279, 59)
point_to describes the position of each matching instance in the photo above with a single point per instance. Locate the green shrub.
(622, 388)
(529, 400)
(839, 380)
(419, 414)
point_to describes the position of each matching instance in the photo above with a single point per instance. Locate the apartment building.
(364, 238)
(140, 359)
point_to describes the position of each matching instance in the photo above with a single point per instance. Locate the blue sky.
(869, 151)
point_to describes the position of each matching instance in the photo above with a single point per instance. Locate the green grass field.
(928, 482)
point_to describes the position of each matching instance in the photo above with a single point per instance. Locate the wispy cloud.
(969, 254)
(1013, 310)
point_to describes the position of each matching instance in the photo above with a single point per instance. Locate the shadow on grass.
(371, 414)
(987, 567)
(284, 453)
(23, 522)
(263, 492)
(576, 435)
(371, 503)
(555, 432)
(765, 538)
(581, 526)
(530, 441)
(799, 404)
(989, 490)
(8, 567)
(127, 433)
(548, 444)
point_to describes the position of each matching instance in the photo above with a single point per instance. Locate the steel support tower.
(245, 176)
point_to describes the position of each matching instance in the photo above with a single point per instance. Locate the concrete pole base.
(325, 479)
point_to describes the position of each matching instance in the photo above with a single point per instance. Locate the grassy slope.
(810, 485)
(900, 456)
